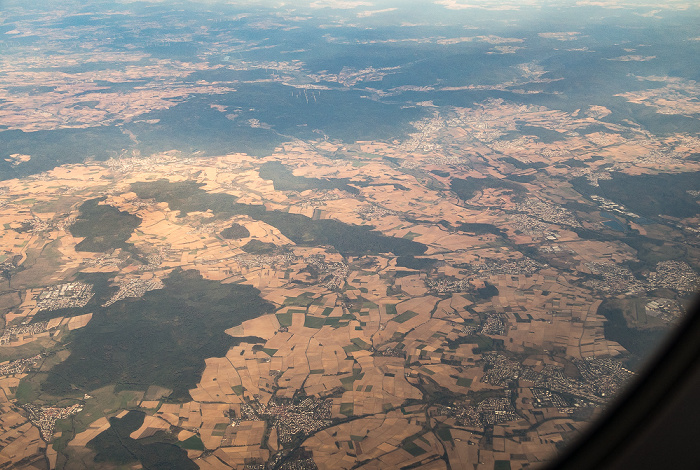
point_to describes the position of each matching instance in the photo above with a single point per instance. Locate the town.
(69, 295)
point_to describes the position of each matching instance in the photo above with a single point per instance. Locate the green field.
(348, 381)
(464, 382)
(192, 443)
(347, 409)
(285, 319)
(24, 392)
(405, 316)
(360, 343)
(302, 300)
(314, 322)
(413, 448)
